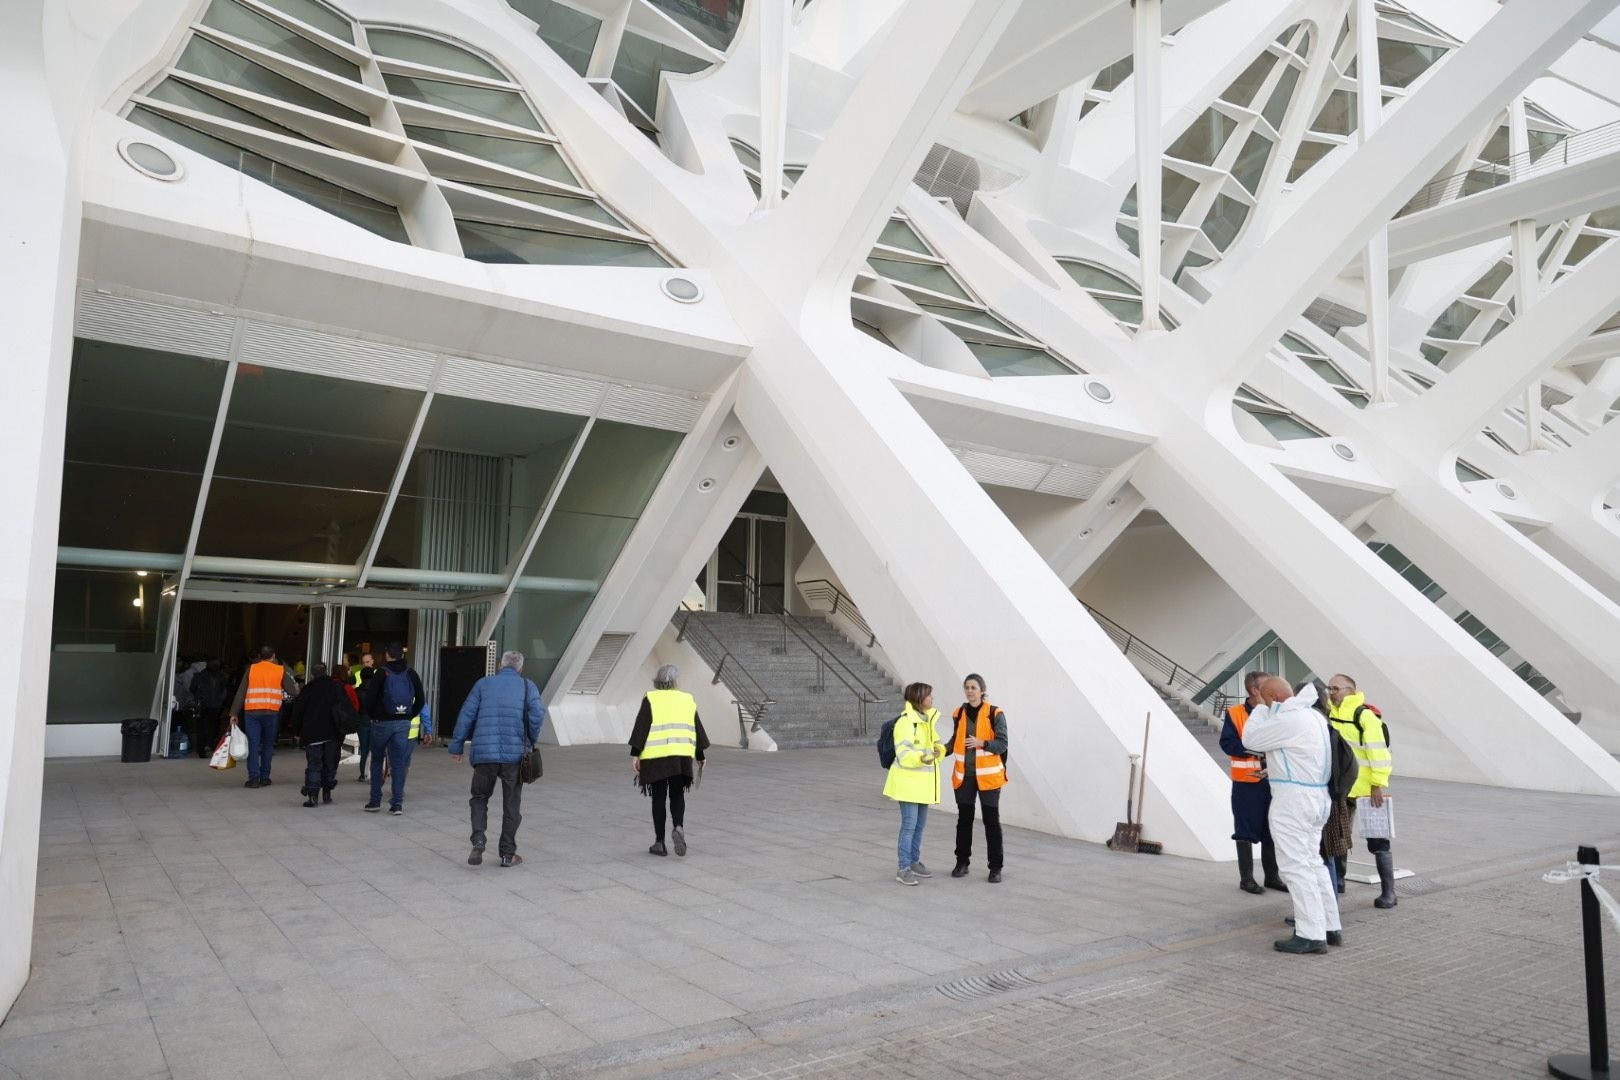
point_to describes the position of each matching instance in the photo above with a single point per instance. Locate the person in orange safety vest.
(258, 705)
(1251, 795)
(978, 771)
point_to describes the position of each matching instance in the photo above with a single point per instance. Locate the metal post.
(1595, 1066)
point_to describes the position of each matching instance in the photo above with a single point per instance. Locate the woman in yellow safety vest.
(667, 738)
(913, 779)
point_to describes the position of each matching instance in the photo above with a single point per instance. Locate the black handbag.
(529, 767)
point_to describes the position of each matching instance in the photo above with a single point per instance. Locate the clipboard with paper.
(1375, 822)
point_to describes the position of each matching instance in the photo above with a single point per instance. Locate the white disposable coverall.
(1299, 758)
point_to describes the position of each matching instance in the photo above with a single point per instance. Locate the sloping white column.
(39, 250)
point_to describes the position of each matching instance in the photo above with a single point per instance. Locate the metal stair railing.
(753, 701)
(1176, 677)
(1577, 147)
(822, 591)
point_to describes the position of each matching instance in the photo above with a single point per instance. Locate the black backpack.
(885, 743)
(1346, 767)
(1361, 736)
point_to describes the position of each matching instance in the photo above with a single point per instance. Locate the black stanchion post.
(1595, 1066)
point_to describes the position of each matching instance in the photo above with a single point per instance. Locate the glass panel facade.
(1338, 115)
(1088, 276)
(566, 204)
(175, 92)
(1203, 141)
(924, 275)
(138, 427)
(541, 159)
(1003, 361)
(571, 34)
(317, 15)
(504, 106)
(640, 63)
(899, 234)
(1277, 105)
(975, 316)
(1226, 217)
(1401, 62)
(106, 611)
(211, 61)
(1247, 85)
(304, 465)
(1250, 165)
(430, 52)
(713, 22)
(234, 19)
(505, 244)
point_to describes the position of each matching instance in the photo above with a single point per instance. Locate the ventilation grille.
(125, 320)
(651, 408)
(1068, 479)
(1072, 481)
(600, 664)
(951, 174)
(298, 349)
(975, 987)
(519, 386)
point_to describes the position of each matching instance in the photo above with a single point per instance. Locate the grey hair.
(513, 659)
(665, 679)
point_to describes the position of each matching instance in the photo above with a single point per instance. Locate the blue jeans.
(261, 726)
(913, 816)
(388, 737)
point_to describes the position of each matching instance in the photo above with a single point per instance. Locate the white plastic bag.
(222, 755)
(239, 743)
(1376, 822)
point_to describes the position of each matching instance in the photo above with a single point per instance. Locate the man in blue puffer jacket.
(502, 717)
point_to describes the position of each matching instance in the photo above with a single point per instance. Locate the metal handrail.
(707, 644)
(818, 589)
(1577, 147)
(1176, 677)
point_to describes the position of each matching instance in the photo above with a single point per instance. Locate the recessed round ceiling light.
(1099, 391)
(1506, 490)
(150, 160)
(706, 484)
(682, 290)
(1344, 451)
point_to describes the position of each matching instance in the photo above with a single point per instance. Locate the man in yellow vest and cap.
(1363, 728)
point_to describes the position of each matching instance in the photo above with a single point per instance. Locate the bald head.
(1275, 689)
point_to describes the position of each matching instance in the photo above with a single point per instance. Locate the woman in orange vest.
(1251, 796)
(978, 770)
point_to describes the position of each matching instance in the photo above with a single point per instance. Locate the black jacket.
(322, 712)
(371, 693)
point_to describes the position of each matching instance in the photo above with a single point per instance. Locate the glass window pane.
(571, 34)
(138, 427)
(640, 63)
(1089, 276)
(1127, 234)
(1281, 425)
(1468, 474)
(1338, 115)
(1126, 311)
(1250, 165)
(541, 159)
(505, 106)
(430, 52)
(1454, 322)
(1224, 221)
(1494, 278)
(899, 234)
(211, 61)
(974, 316)
(1178, 190)
(1308, 154)
(1109, 78)
(351, 206)
(923, 275)
(1005, 361)
(317, 15)
(1401, 62)
(1203, 140)
(746, 154)
(1247, 85)
(304, 465)
(504, 244)
(176, 92)
(1299, 345)
(713, 22)
(1277, 105)
(98, 609)
(232, 18)
(589, 209)
(478, 477)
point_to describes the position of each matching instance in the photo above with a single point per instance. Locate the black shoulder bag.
(529, 767)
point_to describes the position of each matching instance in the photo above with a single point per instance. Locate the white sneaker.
(906, 877)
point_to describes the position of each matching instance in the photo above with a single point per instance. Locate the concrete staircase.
(802, 716)
(1198, 719)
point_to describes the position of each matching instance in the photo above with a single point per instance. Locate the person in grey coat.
(502, 717)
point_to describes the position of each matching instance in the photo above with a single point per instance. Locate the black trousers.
(673, 789)
(991, 801)
(483, 786)
(205, 731)
(320, 766)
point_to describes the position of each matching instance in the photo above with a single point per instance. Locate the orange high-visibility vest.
(264, 687)
(1245, 770)
(988, 768)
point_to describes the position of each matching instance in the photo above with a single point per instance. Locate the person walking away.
(360, 674)
(208, 692)
(258, 703)
(978, 770)
(1300, 758)
(323, 713)
(913, 779)
(1251, 795)
(503, 717)
(1363, 728)
(667, 738)
(392, 700)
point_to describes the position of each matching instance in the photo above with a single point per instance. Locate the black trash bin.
(138, 739)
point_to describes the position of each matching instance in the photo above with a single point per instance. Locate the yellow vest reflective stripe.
(416, 727)
(990, 773)
(1370, 743)
(674, 725)
(1245, 770)
(264, 687)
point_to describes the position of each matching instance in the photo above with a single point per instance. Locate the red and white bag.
(222, 754)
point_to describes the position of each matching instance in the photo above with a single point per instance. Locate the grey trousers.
(483, 786)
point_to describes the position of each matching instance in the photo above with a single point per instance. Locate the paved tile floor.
(189, 927)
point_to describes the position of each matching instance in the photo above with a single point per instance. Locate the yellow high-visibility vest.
(1370, 742)
(674, 725)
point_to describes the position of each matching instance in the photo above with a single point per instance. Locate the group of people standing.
(1281, 744)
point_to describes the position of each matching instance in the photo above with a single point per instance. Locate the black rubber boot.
(1246, 880)
(326, 795)
(1268, 863)
(1386, 878)
(1335, 937)
(1299, 945)
(309, 800)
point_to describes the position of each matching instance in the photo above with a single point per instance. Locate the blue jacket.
(493, 718)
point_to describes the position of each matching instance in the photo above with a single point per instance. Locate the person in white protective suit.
(1299, 759)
